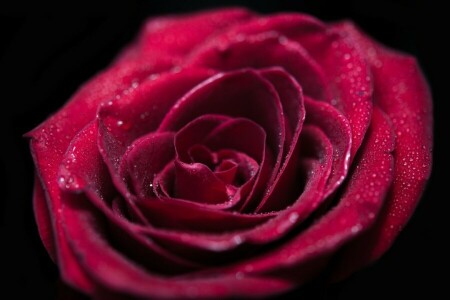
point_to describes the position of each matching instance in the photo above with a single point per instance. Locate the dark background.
(47, 52)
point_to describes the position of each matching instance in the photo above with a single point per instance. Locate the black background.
(46, 52)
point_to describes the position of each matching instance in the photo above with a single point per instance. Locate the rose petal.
(115, 273)
(50, 140)
(145, 158)
(349, 74)
(292, 100)
(402, 93)
(233, 94)
(180, 215)
(238, 134)
(44, 219)
(267, 49)
(82, 168)
(198, 183)
(314, 167)
(177, 35)
(337, 128)
(195, 132)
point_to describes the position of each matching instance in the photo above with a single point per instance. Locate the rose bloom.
(230, 154)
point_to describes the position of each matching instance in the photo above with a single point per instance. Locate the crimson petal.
(178, 35)
(113, 271)
(263, 50)
(145, 158)
(197, 182)
(58, 131)
(315, 162)
(402, 93)
(315, 168)
(292, 100)
(195, 132)
(337, 128)
(174, 214)
(44, 219)
(233, 94)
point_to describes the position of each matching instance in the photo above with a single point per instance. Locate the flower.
(226, 153)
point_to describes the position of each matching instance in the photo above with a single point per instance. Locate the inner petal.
(197, 182)
(217, 159)
(235, 94)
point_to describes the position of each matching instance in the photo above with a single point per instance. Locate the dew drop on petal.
(239, 275)
(293, 217)
(237, 239)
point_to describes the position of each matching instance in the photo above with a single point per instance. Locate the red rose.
(226, 153)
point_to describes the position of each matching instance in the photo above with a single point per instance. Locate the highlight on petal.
(44, 219)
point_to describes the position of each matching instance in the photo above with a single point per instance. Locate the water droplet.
(237, 239)
(293, 217)
(248, 268)
(240, 37)
(154, 76)
(176, 69)
(356, 228)
(282, 40)
(239, 275)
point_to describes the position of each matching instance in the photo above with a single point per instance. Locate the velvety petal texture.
(228, 154)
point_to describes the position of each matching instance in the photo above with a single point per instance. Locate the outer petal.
(343, 63)
(44, 219)
(87, 178)
(50, 140)
(402, 93)
(115, 274)
(177, 35)
(263, 50)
